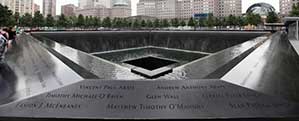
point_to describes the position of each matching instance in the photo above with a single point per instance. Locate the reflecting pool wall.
(90, 42)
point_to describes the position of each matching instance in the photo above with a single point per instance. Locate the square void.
(150, 63)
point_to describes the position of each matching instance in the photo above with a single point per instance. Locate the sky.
(246, 4)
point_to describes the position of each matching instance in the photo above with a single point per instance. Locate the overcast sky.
(246, 4)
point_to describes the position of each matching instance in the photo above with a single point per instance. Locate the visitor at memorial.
(12, 35)
(4, 44)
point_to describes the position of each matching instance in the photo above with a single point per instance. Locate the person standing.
(3, 44)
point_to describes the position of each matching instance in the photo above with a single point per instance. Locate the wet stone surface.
(176, 99)
(150, 63)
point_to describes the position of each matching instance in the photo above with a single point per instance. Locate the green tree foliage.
(175, 22)
(143, 23)
(182, 23)
(253, 19)
(218, 22)
(81, 21)
(73, 21)
(232, 20)
(165, 23)
(118, 23)
(62, 21)
(125, 23)
(149, 24)
(201, 22)
(210, 21)
(136, 24)
(157, 23)
(50, 22)
(272, 17)
(107, 22)
(13, 20)
(38, 20)
(5, 15)
(241, 21)
(97, 22)
(191, 22)
(295, 11)
(26, 20)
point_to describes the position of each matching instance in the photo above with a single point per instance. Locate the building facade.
(94, 3)
(191, 7)
(105, 8)
(229, 7)
(188, 8)
(121, 8)
(101, 12)
(9, 3)
(36, 8)
(68, 10)
(49, 7)
(163, 9)
(286, 6)
(146, 7)
(20, 6)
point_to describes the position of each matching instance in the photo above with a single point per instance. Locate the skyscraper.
(188, 8)
(36, 7)
(9, 3)
(20, 6)
(68, 10)
(49, 7)
(147, 7)
(163, 9)
(104, 8)
(229, 7)
(94, 3)
(121, 8)
(286, 6)
(191, 7)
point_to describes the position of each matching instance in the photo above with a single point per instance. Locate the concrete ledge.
(152, 74)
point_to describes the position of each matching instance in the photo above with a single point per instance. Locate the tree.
(210, 21)
(175, 22)
(165, 23)
(62, 21)
(272, 17)
(96, 22)
(38, 20)
(182, 23)
(13, 20)
(149, 24)
(253, 19)
(81, 21)
(114, 24)
(88, 21)
(241, 21)
(201, 22)
(26, 20)
(73, 20)
(231, 21)
(5, 15)
(50, 22)
(295, 10)
(136, 23)
(143, 23)
(157, 23)
(218, 22)
(107, 22)
(125, 22)
(191, 22)
(118, 23)
(130, 23)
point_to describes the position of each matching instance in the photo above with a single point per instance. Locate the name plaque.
(188, 99)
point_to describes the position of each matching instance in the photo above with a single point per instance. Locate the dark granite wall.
(104, 41)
